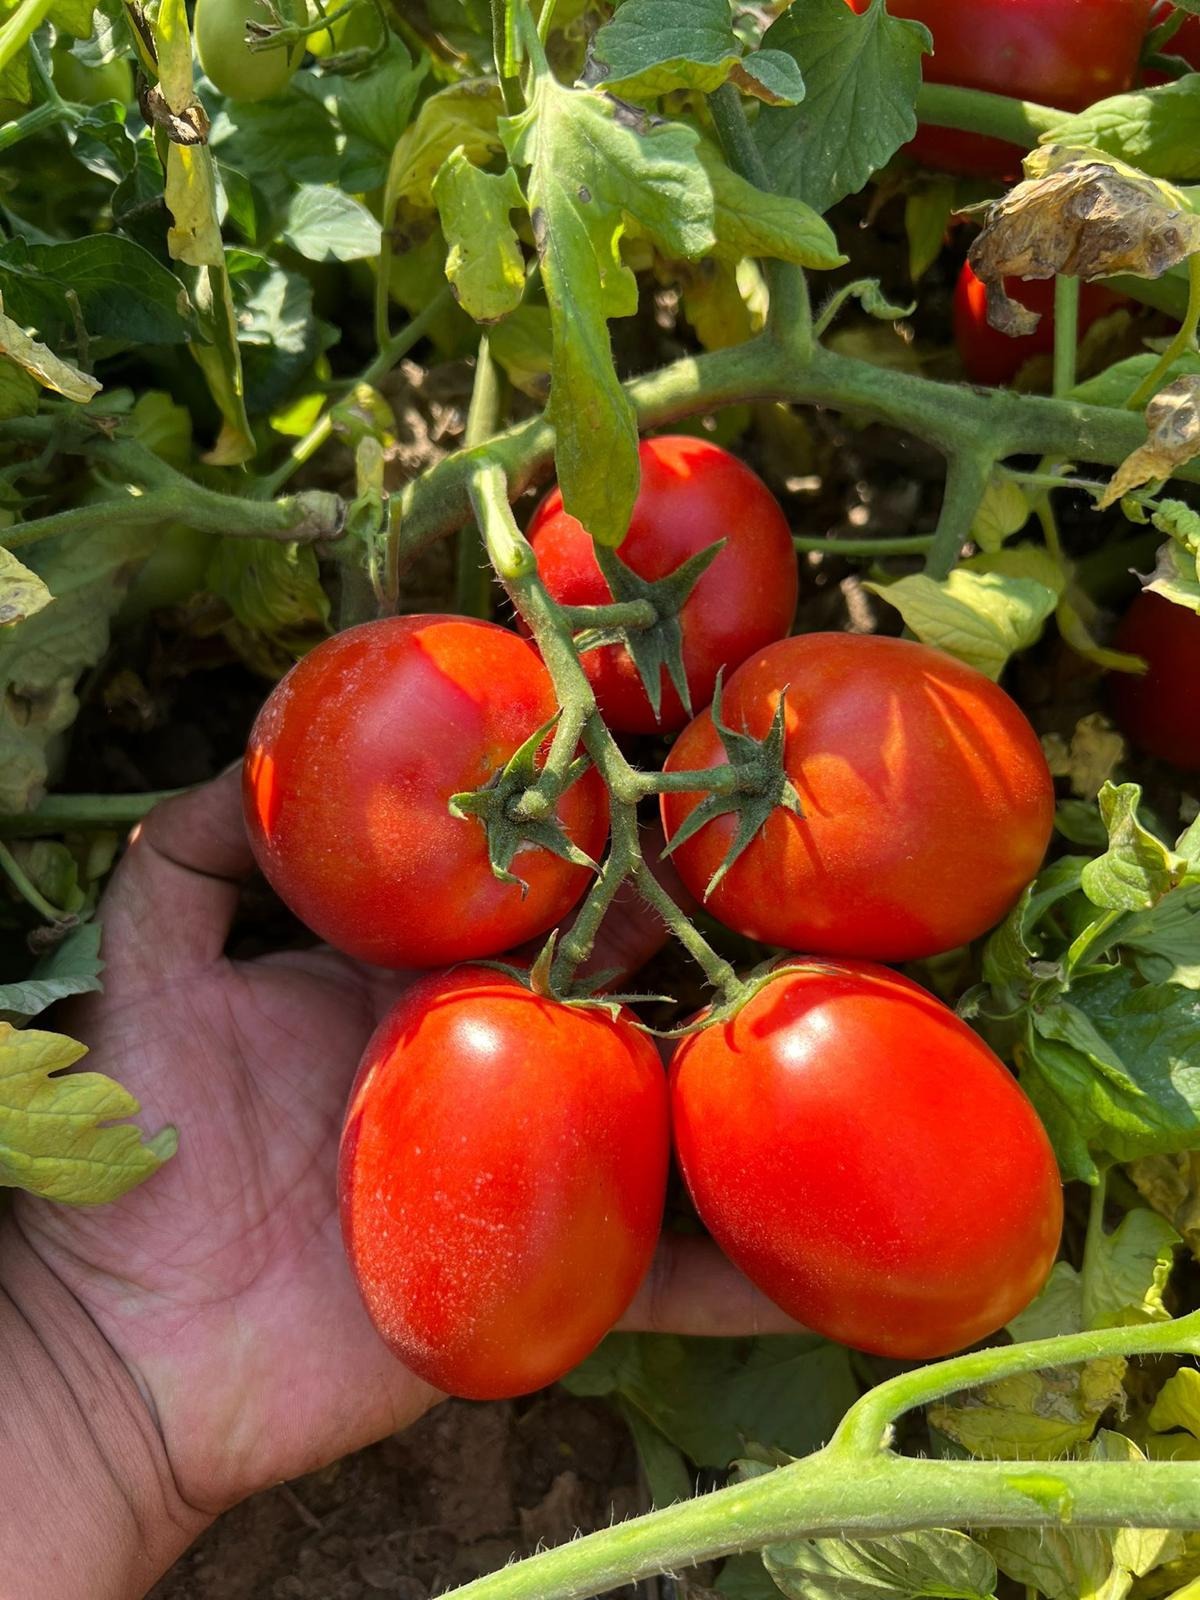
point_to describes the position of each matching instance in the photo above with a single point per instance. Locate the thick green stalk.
(1066, 333)
(1019, 122)
(473, 576)
(967, 475)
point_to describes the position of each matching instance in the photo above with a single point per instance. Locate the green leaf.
(1155, 130)
(1129, 1274)
(485, 264)
(1003, 511)
(20, 393)
(41, 658)
(323, 224)
(982, 618)
(42, 365)
(591, 162)
(376, 105)
(654, 46)
(124, 293)
(274, 591)
(931, 1562)
(862, 73)
(523, 346)
(1137, 869)
(928, 207)
(1116, 383)
(750, 222)
(667, 1474)
(73, 967)
(62, 1137)
(464, 115)
(1115, 1071)
(1166, 939)
(708, 1395)
(22, 593)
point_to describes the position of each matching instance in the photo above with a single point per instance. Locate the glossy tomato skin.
(1064, 53)
(347, 780)
(1160, 711)
(502, 1172)
(992, 357)
(927, 800)
(692, 494)
(867, 1161)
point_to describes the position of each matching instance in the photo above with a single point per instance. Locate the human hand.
(221, 1283)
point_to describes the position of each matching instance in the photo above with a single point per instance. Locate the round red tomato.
(348, 777)
(993, 357)
(502, 1172)
(1160, 711)
(867, 1161)
(927, 800)
(692, 494)
(1064, 53)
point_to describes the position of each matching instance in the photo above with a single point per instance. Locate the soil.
(459, 1494)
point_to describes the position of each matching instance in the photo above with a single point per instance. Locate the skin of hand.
(202, 1337)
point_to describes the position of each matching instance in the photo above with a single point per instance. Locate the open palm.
(221, 1282)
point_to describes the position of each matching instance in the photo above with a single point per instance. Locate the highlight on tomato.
(927, 802)
(501, 1178)
(866, 1160)
(1159, 711)
(693, 493)
(348, 776)
(991, 357)
(1062, 53)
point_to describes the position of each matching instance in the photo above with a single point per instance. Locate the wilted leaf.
(43, 365)
(21, 592)
(1128, 1280)
(1137, 869)
(1080, 217)
(485, 265)
(1173, 421)
(1171, 1184)
(61, 1136)
(463, 115)
(1091, 757)
(982, 618)
(1178, 1403)
(931, 1562)
(1035, 1416)
(274, 591)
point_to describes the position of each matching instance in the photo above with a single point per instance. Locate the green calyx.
(657, 646)
(497, 806)
(763, 785)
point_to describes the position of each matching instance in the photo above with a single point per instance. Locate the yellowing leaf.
(485, 265)
(1178, 1403)
(1035, 1416)
(1173, 421)
(43, 365)
(1171, 1184)
(61, 1137)
(980, 617)
(1003, 511)
(21, 592)
(462, 116)
(1090, 758)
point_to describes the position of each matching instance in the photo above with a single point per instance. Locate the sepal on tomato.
(659, 647)
(763, 785)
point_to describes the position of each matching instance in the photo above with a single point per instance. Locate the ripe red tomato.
(927, 800)
(692, 494)
(1064, 53)
(502, 1173)
(349, 772)
(1160, 711)
(993, 357)
(867, 1161)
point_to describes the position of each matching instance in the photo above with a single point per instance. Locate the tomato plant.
(989, 356)
(502, 1172)
(1065, 53)
(348, 777)
(692, 494)
(888, 744)
(221, 43)
(828, 1138)
(1159, 710)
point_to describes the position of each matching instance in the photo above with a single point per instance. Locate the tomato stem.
(29, 891)
(967, 473)
(68, 813)
(1019, 122)
(1066, 333)
(1184, 340)
(1092, 1245)
(473, 575)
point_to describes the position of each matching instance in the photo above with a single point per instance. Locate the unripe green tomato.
(92, 86)
(236, 70)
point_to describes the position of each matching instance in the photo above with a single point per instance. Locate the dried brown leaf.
(1173, 420)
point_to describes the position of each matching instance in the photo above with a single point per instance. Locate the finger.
(692, 1288)
(171, 902)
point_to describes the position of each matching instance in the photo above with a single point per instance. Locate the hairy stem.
(966, 480)
(473, 576)
(1066, 333)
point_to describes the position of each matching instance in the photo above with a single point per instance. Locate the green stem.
(32, 123)
(20, 27)
(967, 473)
(1066, 333)
(710, 780)
(510, 87)
(389, 356)
(1019, 122)
(201, 508)
(29, 891)
(1184, 340)
(613, 614)
(917, 544)
(1092, 1246)
(789, 311)
(473, 577)
(76, 813)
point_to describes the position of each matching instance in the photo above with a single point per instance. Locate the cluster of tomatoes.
(855, 1148)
